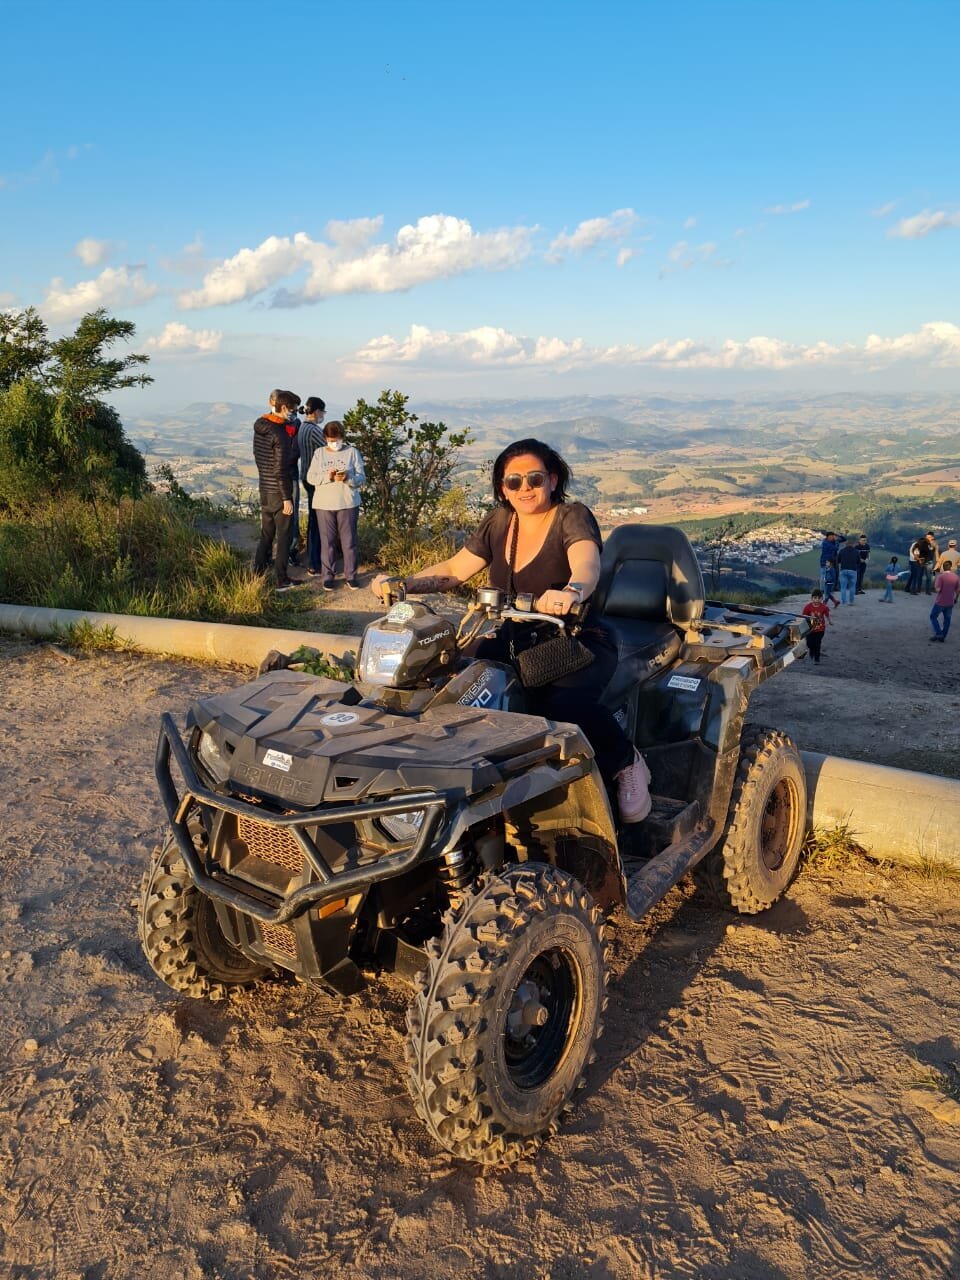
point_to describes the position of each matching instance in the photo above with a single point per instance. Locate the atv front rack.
(252, 900)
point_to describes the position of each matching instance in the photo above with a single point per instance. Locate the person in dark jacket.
(828, 563)
(293, 433)
(272, 453)
(924, 553)
(863, 549)
(849, 562)
(311, 438)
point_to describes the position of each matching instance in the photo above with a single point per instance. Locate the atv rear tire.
(507, 1012)
(765, 827)
(180, 933)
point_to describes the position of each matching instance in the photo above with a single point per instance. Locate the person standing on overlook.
(924, 553)
(311, 439)
(828, 558)
(947, 585)
(271, 452)
(863, 549)
(337, 475)
(890, 576)
(950, 552)
(849, 562)
(293, 433)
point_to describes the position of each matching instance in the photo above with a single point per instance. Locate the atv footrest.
(656, 877)
(668, 821)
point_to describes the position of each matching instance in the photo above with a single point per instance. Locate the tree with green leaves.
(57, 433)
(408, 463)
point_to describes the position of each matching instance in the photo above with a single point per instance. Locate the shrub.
(140, 556)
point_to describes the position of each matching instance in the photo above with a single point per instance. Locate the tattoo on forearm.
(440, 582)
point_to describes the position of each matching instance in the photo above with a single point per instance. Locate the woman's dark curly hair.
(553, 464)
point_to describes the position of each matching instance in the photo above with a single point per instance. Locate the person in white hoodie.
(336, 473)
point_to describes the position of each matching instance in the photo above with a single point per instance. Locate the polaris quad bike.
(419, 821)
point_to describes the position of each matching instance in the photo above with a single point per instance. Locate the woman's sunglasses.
(534, 479)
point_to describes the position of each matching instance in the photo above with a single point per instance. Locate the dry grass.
(831, 849)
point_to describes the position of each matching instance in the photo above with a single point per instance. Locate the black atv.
(417, 820)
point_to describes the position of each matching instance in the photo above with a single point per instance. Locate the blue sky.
(492, 199)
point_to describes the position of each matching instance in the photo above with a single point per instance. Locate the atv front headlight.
(382, 654)
(403, 826)
(212, 758)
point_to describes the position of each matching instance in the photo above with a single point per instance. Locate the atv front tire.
(180, 933)
(765, 826)
(507, 1012)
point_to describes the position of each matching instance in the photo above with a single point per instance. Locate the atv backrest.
(649, 572)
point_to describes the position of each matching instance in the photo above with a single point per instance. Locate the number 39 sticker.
(340, 718)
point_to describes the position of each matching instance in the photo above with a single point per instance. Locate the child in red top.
(819, 615)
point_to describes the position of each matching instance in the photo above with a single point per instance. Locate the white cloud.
(113, 287)
(624, 256)
(435, 247)
(779, 209)
(882, 210)
(689, 223)
(7, 299)
(683, 256)
(936, 344)
(93, 253)
(587, 235)
(921, 224)
(188, 261)
(177, 339)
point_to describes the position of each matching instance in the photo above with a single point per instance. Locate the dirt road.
(759, 1108)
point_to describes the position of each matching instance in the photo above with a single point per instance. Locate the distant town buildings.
(771, 544)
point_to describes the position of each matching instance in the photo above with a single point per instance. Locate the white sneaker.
(633, 790)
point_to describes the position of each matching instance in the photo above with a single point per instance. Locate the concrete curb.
(208, 641)
(908, 818)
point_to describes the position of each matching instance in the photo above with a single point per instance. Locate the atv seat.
(650, 587)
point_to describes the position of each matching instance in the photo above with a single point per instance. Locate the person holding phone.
(336, 473)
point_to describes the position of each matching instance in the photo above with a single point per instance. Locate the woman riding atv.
(536, 543)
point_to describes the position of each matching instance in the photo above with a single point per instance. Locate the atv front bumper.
(330, 884)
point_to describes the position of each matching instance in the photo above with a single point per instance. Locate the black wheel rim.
(543, 1018)
(778, 824)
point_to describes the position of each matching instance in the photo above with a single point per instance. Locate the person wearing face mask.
(536, 542)
(336, 473)
(311, 439)
(272, 453)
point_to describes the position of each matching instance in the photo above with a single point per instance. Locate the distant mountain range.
(594, 424)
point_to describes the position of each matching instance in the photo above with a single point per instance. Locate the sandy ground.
(757, 1109)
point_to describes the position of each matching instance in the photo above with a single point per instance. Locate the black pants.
(574, 699)
(814, 641)
(273, 524)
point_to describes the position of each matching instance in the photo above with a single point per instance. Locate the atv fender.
(560, 815)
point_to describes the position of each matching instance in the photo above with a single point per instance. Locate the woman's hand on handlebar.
(557, 603)
(381, 581)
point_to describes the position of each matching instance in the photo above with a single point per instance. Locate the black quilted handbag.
(550, 660)
(562, 655)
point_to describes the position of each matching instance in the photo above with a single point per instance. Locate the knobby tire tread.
(454, 1003)
(167, 925)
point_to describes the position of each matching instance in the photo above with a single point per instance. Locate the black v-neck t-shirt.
(549, 570)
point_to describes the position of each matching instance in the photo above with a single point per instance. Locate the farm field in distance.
(887, 466)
